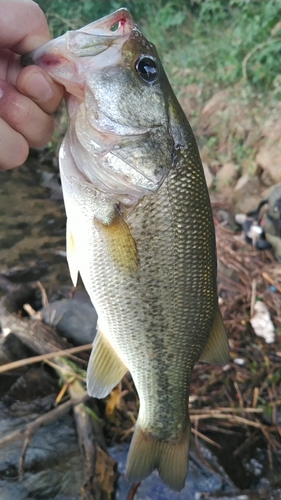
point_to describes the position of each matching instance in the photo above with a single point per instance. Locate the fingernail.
(38, 87)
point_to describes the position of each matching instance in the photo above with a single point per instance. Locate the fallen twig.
(270, 280)
(66, 371)
(205, 438)
(133, 491)
(225, 410)
(224, 416)
(43, 357)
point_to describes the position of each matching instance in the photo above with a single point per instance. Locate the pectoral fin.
(121, 244)
(71, 254)
(105, 369)
(216, 350)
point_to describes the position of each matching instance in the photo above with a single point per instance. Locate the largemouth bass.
(139, 231)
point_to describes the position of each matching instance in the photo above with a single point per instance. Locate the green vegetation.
(202, 41)
(206, 46)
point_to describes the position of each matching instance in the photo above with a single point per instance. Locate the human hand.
(28, 95)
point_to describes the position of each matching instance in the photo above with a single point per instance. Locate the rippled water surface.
(32, 222)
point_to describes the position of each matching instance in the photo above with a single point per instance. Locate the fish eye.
(147, 69)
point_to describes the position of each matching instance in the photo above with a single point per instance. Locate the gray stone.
(201, 477)
(74, 320)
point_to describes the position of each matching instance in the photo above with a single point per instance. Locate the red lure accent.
(51, 59)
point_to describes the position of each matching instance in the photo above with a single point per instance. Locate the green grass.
(212, 44)
(204, 41)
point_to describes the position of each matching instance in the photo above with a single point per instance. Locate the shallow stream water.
(32, 223)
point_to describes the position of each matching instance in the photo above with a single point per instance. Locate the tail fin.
(170, 458)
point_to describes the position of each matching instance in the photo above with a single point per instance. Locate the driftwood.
(99, 468)
(43, 357)
(40, 338)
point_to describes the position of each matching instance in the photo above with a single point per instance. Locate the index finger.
(23, 26)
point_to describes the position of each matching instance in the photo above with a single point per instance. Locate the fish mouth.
(63, 57)
(91, 40)
(85, 61)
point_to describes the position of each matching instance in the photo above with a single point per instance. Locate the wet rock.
(22, 274)
(52, 464)
(26, 390)
(11, 349)
(200, 478)
(74, 320)
(227, 175)
(208, 175)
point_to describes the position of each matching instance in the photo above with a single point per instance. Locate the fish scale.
(139, 231)
(161, 295)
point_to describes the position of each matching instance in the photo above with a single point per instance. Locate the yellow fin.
(71, 254)
(105, 368)
(170, 458)
(122, 246)
(216, 350)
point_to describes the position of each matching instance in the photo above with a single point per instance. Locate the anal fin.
(216, 350)
(105, 368)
